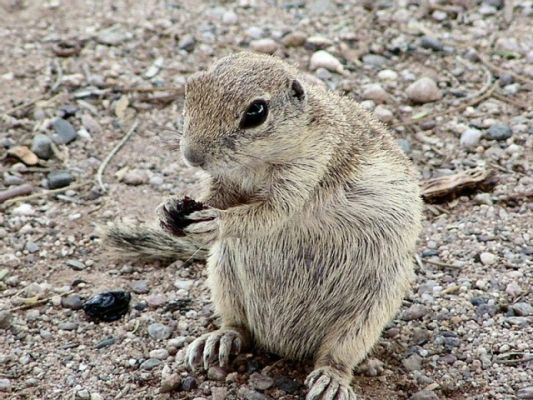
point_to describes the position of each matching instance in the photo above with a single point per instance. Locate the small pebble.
(488, 258)
(76, 265)
(405, 145)
(522, 309)
(267, 46)
(323, 59)
(139, 287)
(170, 383)
(189, 383)
(229, 18)
(388, 75)
(383, 113)
(65, 132)
(248, 394)
(5, 385)
(375, 92)
(59, 179)
(424, 90)
(470, 138)
(159, 331)
(113, 36)
(68, 326)
(260, 382)
(135, 177)
(41, 145)
(5, 319)
(72, 301)
(413, 363)
(31, 247)
(513, 289)
(424, 395)
(156, 300)
(294, 39)
(187, 43)
(216, 373)
(160, 354)
(374, 60)
(151, 363)
(499, 131)
(525, 393)
(428, 42)
(416, 311)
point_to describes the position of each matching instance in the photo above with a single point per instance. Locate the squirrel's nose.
(193, 156)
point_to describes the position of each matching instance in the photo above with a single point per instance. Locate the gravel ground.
(452, 79)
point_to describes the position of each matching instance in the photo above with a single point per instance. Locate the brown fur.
(317, 211)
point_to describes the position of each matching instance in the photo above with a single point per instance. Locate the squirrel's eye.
(255, 114)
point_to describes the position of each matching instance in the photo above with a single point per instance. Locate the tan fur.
(319, 211)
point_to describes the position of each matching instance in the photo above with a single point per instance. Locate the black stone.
(59, 179)
(107, 306)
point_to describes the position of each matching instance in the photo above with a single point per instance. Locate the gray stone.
(65, 132)
(75, 265)
(216, 373)
(159, 331)
(374, 60)
(13, 180)
(59, 179)
(499, 131)
(416, 311)
(260, 382)
(5, 319)
(105, 342)
(470, 138)
(287, 384)
(113, 36)
(68, 326)
(41, 145)
(249, 394)
(522, 309)
(429, 42)
(189, 383)
(5, 385)
(504, 79)
(72, 301)
(31, 247)
(405, 145)
(424, 90)
(156, 300)
(187, 43)
(525, 393)
(424, 395)
(151, 363)
(413, 363)
(139, 287)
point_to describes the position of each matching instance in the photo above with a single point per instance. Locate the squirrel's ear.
(297, 90)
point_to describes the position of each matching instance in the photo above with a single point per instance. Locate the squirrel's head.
(246, 112)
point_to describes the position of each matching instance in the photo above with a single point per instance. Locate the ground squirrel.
(313, 221)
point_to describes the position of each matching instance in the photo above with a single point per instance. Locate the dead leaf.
(24, 154)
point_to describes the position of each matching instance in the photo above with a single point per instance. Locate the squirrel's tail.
(143, 242)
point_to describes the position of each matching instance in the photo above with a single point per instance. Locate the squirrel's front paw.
(325, 384)
(205, 226)
(213, 348)
(176, 214)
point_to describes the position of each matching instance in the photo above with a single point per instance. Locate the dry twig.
(102, 167)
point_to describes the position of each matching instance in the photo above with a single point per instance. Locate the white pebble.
(323, 59)
(424, 90)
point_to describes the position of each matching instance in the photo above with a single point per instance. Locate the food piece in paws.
(175, 212)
